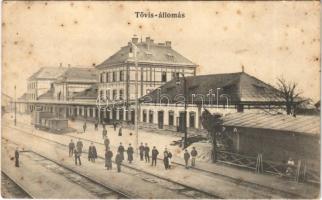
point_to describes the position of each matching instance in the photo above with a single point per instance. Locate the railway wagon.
(49, 122)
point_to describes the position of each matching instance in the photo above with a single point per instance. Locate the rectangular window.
(121, 94)
(171, 118)
(107, 77)
(114, 94)
(101, 78)
(121, 75)
(192, 119)
(107, 94)
(164, 76)
(101, 94)
(114, 76)
(144, 115)
(150, 116)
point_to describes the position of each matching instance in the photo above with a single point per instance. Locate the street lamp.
(217, 97)
(227, 98)
(178, 82)
(135, 50)
(15, 120)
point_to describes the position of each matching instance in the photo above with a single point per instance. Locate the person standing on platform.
(77, 157)
(141, 148)
(130, 152)
(17, 157)
(84, 126)
(106, 143)
(71, 147)
(155, 154)
(169, 159)
(96, 125)
(104, 133)
(108, 159)
(121, 151)
(118, 161)
(147, 152)
(120, 131)
(194, 154)
(79, 146)
(92, 153)
(114, 126)
(186, 157)
(166, 159)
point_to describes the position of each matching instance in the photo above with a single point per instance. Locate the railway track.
(183, 189)
(12, 189)
(255, 188)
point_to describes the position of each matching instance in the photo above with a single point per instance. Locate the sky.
(270, 39)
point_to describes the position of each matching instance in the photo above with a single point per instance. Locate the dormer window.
(170, 56)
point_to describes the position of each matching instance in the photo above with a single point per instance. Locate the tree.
(212, 123)
(289, 92)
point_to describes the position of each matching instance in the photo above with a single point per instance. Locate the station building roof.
(237, 87)
(78, 75)
(89, 93)
(308, 125)
(148, 52)
(47, 73)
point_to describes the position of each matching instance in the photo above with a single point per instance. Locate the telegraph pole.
(15, 120)
(136, 98)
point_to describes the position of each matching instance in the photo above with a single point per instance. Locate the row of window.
(32, 85)
(107, 77)
(106, 94)
(192, 118)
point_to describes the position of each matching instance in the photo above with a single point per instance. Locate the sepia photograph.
(160, 100)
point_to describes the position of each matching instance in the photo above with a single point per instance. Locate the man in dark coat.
(120, 131)
(79, 146)
(108, 158)
(186, 157)
(77, 157)
(155, 153)
(71, 148)
(166, 159)
(92, 153)
(118, 161)
(106, 143)
(84, 126)
(147, 152)
(141, 148)
(104, 133)
(130, 152)
(114, 126)
(17, 157)
(96, 126)
(194, 154)
(121, 151)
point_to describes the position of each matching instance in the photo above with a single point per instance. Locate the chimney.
(135, 39)
(168, 43)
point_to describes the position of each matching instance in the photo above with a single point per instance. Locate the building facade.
(157, 64)
(164, 108)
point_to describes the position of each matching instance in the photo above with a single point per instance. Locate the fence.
(297, 172)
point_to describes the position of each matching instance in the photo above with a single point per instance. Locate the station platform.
(275, 187)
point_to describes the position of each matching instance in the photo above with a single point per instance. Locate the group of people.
(144, 152)
(77, 150)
